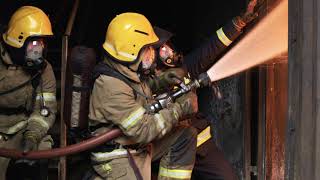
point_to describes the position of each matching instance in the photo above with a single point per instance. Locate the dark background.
(190, 21)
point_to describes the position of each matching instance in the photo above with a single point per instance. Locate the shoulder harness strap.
(103, 68)
(31, 80)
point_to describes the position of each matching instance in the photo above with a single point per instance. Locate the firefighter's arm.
(45, 99)
(203, 57)
(120, 107)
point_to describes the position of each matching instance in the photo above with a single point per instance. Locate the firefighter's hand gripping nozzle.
(163, 100)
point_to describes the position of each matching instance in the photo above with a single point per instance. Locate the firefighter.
(210, 161)
(120, 98)
(27, 84)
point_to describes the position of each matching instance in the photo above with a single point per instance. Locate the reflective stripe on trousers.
(175, 173)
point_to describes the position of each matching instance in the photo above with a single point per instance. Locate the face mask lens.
(34, 50)
(34, 53)
(147, 58)
(165, 52)
(167, 55)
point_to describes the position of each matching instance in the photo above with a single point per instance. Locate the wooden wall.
(303, 136)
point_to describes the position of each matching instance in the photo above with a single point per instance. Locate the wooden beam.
(64, 62)
(303, 128)
(276, 116)
(247, 125)
(261, 161)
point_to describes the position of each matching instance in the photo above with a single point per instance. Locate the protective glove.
(188, 103)
(35, 130)
(30, 141)
(171, 77)
(247, 16)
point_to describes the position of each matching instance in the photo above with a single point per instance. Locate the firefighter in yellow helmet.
(120, 99)
(27, 84)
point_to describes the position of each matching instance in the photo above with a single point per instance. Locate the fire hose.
(92, 142)
(64, 151)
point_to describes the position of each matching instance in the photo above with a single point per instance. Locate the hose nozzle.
(204, 80)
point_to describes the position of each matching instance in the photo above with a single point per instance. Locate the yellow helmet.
(27, 21)
(127, 33)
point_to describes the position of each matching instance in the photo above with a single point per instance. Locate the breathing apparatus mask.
(147, 58)
(31, 56)
(168, 56)
(34, 54)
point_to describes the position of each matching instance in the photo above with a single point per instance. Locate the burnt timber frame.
(303, 128)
